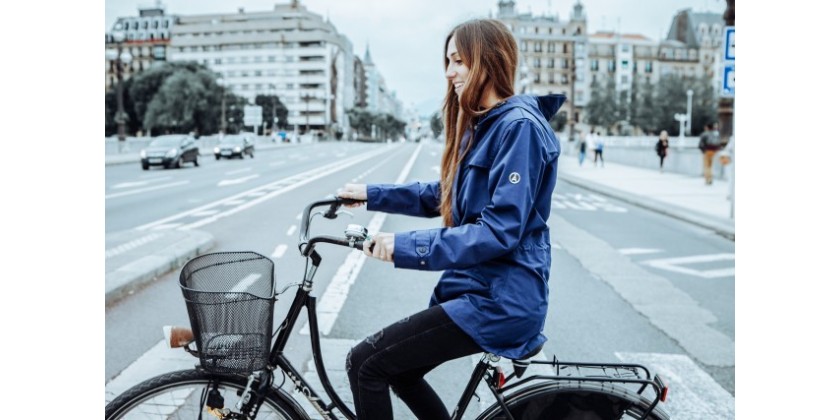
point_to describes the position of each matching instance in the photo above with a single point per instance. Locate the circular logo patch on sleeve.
(514, 178)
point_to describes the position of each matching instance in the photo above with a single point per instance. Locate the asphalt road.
(626, 283)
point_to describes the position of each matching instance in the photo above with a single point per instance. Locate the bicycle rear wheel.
(574, 401)
(178, 395)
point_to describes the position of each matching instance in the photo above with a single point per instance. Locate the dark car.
(236, 145)
(170, 151)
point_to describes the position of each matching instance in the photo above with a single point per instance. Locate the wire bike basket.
(230, 301)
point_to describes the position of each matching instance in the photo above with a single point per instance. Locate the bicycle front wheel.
(178, 395)
(574, 401)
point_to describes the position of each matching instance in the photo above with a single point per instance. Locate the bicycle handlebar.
(305, 243)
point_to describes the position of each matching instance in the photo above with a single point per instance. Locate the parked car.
(235, 145)
(170, 151)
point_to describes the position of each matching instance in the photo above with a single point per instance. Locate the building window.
(538, 47)
(551, 78)
(271, 58)
(551, 63)
(536, 78)
(245, 87)
(565, 48)
(564, 79)
(290, 86)
(524, 47)
(258, 86)
(625, 64)
(624, 79)
(258, 73)
(551, 46)
(244, 74)
(634, 67)
(194, 49)
(244, 59)
(593, 65)
(165, 23)
(258, 59)
(611, 66)
(217, 61)
(649, 67)
(536, 63)
(625, 48)
(564, 63)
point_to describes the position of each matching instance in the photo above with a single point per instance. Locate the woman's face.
(456, 70)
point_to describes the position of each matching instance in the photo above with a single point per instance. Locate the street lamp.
(690, 93)
(272, 96)
(306, 98)
(223, 125)
(119, 59)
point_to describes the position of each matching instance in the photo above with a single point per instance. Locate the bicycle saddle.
(521, 364)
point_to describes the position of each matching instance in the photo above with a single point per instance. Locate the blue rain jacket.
(496, 259)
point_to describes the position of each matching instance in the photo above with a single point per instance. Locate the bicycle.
(231, 336)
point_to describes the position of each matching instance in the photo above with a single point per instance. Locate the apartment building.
(288, 51)
(146, 38)
(552, 53)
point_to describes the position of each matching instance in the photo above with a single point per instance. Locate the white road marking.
(129, 184)
(159, 359)
(276, 188)
(692, 393)
(237, 171)
(167, 226)
(244, 284)
(555, 246)
(336, 292)
(233, 202)
(436, 169)
(279, 251)
(225, 182)
(208, 212)
(678, 265)
(291, 230)
(128, 246)
(142, 190)
(638, 251)
(558, 204)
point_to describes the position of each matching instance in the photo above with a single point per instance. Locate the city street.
(627, 284)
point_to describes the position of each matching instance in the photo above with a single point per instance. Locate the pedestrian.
(662, 149)
(709, 144)
(498, 172)
(582, 149)
(598, 142)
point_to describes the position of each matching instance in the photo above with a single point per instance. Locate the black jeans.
(400, 356)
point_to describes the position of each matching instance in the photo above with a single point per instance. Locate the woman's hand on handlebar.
(354, 191)
(383, 247)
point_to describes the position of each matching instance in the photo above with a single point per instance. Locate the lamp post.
(690, 93)
(272, 96)
(119, 59)
(223, 125)
(306, 98)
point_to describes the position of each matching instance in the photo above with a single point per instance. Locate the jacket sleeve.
(416, 199)
(515, 177)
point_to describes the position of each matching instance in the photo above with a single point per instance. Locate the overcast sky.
(406, 37)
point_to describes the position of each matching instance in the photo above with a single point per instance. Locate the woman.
(498, 172)
(662, 148)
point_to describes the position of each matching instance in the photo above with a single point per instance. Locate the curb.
(127, 279)
(723, 227)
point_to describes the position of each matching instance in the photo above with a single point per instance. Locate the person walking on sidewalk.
(582, 149)
(498, 173)
(709, 145)
(662, 149)
(598, 143)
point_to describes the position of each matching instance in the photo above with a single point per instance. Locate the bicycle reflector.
(662, 385)
(498, 378)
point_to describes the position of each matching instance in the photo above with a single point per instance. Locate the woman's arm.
(415, 199)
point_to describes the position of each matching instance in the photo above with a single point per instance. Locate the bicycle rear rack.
(613, 373)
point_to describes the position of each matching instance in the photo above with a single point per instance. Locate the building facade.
(146, 38)
(289, 52)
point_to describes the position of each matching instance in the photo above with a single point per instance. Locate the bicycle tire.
(177, 395)
(574, 401)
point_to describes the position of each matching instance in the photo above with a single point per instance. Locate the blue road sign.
(728, 88)
(729, 43)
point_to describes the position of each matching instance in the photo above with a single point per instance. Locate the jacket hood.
(546, 105)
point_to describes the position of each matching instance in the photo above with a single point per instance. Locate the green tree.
(361, 120)
(558, 122)
(436, 124)
(643, 107)
(269, 104)
(671, 99)
(602, 108)
(186, 101)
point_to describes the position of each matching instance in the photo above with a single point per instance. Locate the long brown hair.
(489, 51)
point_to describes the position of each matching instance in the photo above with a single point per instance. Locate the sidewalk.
(679, 196)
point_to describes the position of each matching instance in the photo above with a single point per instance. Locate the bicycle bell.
(356, 233)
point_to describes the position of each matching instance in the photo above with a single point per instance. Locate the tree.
(602, 108)
(436, 124)
(643, 107)
(185, 102)
(558, 122)
(361, 120)
(269, 104)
